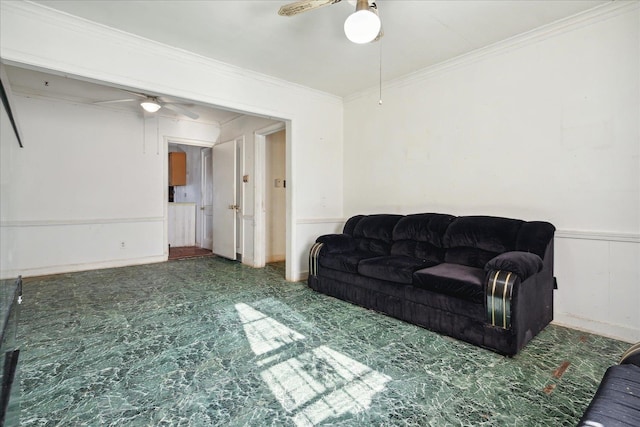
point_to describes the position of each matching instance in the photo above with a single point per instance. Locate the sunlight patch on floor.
(315, 385)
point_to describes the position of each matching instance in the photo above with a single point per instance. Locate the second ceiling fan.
(362, 26)
(154, 103)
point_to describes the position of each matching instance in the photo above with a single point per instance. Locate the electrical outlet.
(122, 245)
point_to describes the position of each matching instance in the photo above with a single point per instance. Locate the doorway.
(188, 203)
(206, 197)
(252, 205)
(275, 197)
(272, 197)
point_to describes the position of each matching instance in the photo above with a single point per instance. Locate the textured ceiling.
(310, 49)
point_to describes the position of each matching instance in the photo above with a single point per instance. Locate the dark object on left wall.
(6, 95)
(10, 352)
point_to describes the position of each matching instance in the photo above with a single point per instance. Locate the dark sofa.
(616, 403)
(485, 280)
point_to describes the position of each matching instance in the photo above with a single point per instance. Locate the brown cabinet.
(177, 168)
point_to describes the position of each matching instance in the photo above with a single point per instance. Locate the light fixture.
(363, 26)
(150, 105)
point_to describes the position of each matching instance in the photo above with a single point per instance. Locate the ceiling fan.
(154, 103)
(362, 26)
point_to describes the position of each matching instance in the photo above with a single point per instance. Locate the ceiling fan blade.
(115, 101)
(180, 110)
(164, 100)
(141, 95)
(303, 6)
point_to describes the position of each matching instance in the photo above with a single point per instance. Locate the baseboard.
(71, 268)
(618, 332)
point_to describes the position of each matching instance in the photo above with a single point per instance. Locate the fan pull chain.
(380, 72)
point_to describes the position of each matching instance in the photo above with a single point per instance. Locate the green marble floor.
(209, 342)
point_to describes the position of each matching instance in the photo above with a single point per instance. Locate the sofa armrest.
(631, 356)
(329, 244)
(505, 272)
(523, 264)
(337, 243)
(499, 292)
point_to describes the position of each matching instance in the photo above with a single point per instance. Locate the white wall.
(542, 127)
(41, 38)
(88, 188)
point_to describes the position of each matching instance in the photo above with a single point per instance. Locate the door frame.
(202, 210)
(259, 236)
(241, 198)
(166, 140)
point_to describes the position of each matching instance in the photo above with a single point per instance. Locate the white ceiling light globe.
(150, 106)
(362, 26)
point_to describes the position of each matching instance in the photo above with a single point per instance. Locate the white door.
(206, 199)
(224, 199)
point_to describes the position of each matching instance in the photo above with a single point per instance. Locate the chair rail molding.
(598, 235)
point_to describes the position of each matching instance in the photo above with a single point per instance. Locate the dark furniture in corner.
(10, 300)
(617, 400)
(485, 280)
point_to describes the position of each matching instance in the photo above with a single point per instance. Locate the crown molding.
(580, 20)
(83, 26)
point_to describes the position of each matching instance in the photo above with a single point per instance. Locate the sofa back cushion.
(474, 240)
(351, 223)
(534, 236)
(492, 234)
(472, 257)
(374, 233)
(420, 236)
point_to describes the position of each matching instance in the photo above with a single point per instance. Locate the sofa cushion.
(393, 268)
(351, 223)
(373, 233)
(460, 281)
(415, 249)
(429, 227)
(534, 236)
(491, 234)
(472, 257)
(345, 261)
(524, 264)
(337, 243)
